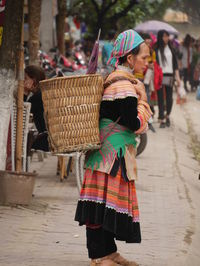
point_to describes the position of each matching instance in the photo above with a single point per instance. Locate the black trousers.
(100, 243)
(187, 77)
(161, 101)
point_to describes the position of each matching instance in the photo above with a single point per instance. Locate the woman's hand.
(140, 90)
(178, 82)
(177, 76)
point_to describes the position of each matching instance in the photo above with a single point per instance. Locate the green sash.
(113, 138)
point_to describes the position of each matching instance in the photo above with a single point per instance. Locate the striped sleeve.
(144, 114)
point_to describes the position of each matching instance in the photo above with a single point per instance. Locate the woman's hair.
(187, 40)
(135, 51)
(36, 73)
(111, 34)
(160, 45)
(145, 35)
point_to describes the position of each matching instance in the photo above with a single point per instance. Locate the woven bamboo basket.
(71, 110)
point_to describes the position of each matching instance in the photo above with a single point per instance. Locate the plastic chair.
(26, 115)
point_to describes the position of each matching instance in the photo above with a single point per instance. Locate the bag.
(181, 90)
(181, 94)
(196, 74)
(168, 81)
(198, 93)
(148, 77)
(158, 76)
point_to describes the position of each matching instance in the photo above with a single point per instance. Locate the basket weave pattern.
(71, 111)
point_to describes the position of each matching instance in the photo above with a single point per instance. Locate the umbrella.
(93, 62)
(153, 26)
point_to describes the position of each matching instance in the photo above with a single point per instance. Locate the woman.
(33, 75)
(108, 203)
(195, 66)
(166, 58)
(186, 59)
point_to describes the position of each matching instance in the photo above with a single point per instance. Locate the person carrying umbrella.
(108, 203)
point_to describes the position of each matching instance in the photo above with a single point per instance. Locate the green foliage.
(116, 14)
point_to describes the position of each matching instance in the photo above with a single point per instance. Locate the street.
(45, 234)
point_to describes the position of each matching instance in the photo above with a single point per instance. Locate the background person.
(148, 76)
(106, 52)
(166, 58)
(186, 59)
(107, 47)
(108, 203)
(195, 66)
(33, 75)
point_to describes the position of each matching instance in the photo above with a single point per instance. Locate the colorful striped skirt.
(110, 202)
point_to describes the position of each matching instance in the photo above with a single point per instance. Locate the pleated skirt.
(110, 202)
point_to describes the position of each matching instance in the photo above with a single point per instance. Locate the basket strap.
(109, 82)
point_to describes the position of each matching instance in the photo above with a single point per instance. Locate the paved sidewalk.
(45, 234)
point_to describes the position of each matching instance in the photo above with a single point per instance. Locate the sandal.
(103, 262)
(117, 258)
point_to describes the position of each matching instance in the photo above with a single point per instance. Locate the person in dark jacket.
(32, 93)
(166, 58)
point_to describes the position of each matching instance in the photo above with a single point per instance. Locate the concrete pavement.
(45, 234)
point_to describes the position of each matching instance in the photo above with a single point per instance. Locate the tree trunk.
(9, 51)
(60, 25)
(34, 10)
(7, 83)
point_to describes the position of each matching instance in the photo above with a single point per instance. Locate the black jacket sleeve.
(37, 110)
(126, 109)
(129, 113)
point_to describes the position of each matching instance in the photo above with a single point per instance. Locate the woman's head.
(130, 50)
(162, 38)
(187, 40)
(33, 75)
(147, 38)
(137, 59)
(162, 42)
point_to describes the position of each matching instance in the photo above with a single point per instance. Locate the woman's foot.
(117, 258)
(167, 122)
(103, 262)
(162, 124)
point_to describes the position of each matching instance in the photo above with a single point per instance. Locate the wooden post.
(20, 105)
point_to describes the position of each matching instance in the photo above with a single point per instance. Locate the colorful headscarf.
(125, 42)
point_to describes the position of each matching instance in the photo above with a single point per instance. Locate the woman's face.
(139, 62)
(165, 38)
(28, 83)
